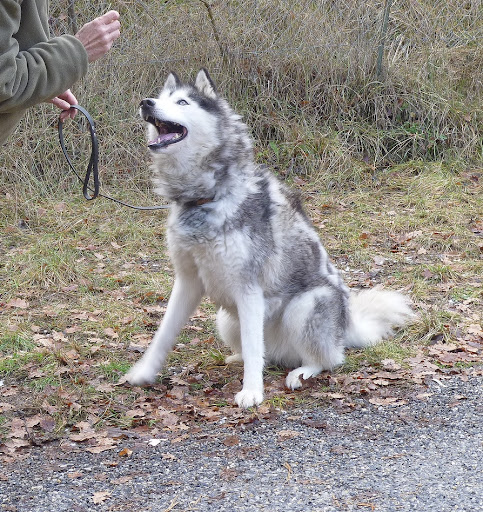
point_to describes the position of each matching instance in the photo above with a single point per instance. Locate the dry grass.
(301, 73)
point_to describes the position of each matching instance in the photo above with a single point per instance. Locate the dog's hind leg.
(185, 297)
(314, 325)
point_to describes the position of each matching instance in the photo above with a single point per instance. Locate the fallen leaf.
(228, 474)
(390, 365)
(109, 331)
(101, 447)
(386, 375)
(74, 474)
(475, 329)
(339, 450)
(167, 418)
(105, 388)
(101, 497)
(122, 480)
(379, 260)
(288, 467)
(135, 413)
(316, 424)
(285, 435)
(154, 442)
(13, 444)
(390, 400)
(424, 396)
(381, 382)
(17, 303)
(231, 441)
(178, 381)
(176, 392)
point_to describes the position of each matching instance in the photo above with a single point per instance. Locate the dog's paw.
(293, 381)
(249, 398)
(235, 358)
(140, 375)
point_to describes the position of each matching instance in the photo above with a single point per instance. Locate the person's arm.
(40, 73)
(49, 68)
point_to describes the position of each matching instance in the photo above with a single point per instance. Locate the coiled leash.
(93, 166)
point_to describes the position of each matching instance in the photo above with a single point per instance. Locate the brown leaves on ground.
(173, 409)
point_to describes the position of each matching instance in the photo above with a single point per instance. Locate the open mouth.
(168, 132)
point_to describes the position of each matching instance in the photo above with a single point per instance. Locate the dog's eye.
(182, 102)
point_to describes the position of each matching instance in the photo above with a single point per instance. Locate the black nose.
(147, 103)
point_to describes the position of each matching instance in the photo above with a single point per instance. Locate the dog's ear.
(172, 82)
(205, 84)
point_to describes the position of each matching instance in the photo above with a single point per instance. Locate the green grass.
(13, 343)
(114, 370)
(372, 356)
(16, 365)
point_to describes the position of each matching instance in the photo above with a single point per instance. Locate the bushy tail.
(374, 315)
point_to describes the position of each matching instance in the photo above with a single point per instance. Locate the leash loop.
(93, 166)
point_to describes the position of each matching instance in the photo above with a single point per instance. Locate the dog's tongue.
(163, 138)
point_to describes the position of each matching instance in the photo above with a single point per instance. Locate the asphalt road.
(424, 456)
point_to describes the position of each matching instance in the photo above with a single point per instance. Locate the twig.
(385, 22)
(72, 16)
(215, 29)
(172, 505)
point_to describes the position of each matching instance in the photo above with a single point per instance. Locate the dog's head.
(182, 112)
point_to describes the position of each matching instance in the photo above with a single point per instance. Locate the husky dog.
(238, 235)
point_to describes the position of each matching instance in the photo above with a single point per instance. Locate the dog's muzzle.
(169, 132)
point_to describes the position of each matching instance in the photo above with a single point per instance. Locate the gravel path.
(424, 456)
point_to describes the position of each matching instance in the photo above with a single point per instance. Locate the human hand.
(64, 102)
(98, 35)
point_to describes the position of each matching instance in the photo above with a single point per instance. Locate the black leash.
(93, 166)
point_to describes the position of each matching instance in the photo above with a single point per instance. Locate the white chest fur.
(211, 251)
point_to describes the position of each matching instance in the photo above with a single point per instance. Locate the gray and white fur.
(238, 235)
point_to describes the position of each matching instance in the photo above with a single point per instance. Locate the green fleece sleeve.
(39, 73)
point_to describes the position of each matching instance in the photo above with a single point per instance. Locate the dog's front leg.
(251, 315)
(185, 297)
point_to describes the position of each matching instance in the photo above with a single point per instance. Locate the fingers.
(109, 17)
(64, 102)
(68, 97)
(109, 24)
(68, 114)
(98, 35)
(60, 103)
